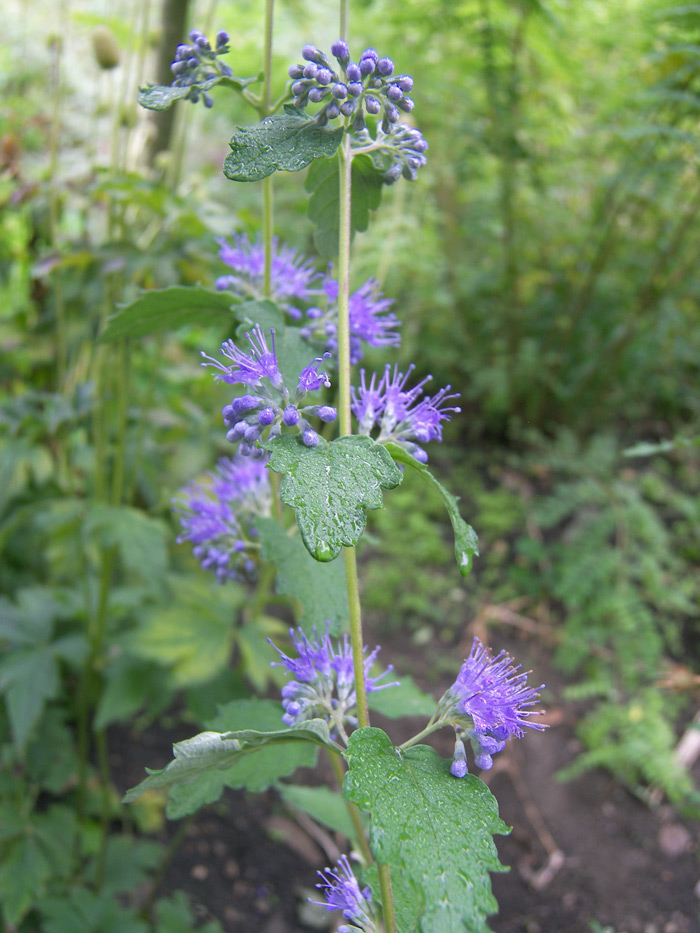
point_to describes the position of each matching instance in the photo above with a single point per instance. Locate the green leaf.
(433, 830)
(324, 204)
(87, 912)
(253, 758)
(466, 542)
(323, 804)
(265, 313)
(330, 487)
(127, 863)
(405, 700)
(166, 309)
(283, 142)
(28, 678)
(140, 539)
(319, 588)
(193, 634)
(24, 871)
(163, 96)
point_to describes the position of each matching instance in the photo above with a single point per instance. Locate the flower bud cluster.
(405, 149)
(198, 62)
(351, 89)
(271, 404)
(218, 516)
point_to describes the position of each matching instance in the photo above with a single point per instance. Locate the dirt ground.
(584, 856)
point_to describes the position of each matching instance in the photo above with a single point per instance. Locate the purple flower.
(292, 275)
(371, 320)
(249, 416)
(249, 368)
(324, 685)
(396, 411)
(310, 379)
(494, 698)
(217, 517)
(342, 892)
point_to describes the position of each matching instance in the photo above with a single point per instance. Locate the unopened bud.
(105, 48)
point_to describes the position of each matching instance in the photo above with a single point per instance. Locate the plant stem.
(345, 422)
(353, 812)
(265, 110)
(61, 350)
(430, 728)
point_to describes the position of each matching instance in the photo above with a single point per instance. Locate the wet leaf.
(433, 830)
(330, 487)
(162, 97)
(466, 542)
(251, 757)
(283, 142)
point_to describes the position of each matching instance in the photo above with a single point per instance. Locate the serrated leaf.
(405, 700)
(28, 678)
(322, 183)
(466, 541)
(87, 912)
(251, 757)
(319, 588)
(163, 96)
(285, 142)
(24, 871)
(164, 309)
(193, 634)
(330, 487)
(433, 830)
(140, 539)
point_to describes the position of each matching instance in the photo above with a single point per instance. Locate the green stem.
(356, 640)
(345, 422)
(268, 234)
(61, 350)
(264, 110)
(344, 376)
(387, 898)
(353, 812)
(429, 729)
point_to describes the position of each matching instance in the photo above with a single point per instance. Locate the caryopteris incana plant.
(305, 435)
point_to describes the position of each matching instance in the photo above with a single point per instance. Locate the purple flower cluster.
(324, 684)
(303, 292)
(342, 892)
(271, 404)
(400, 414)
(198, 62)
(488, 704)
(217, 517)
(292, 276)
(350, 88)
(371, 320)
